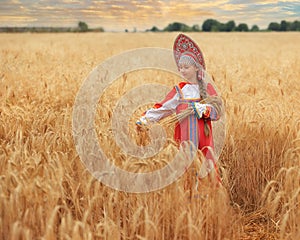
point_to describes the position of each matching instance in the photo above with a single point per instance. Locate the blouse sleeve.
(164, 108)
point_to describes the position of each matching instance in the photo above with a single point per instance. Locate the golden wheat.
(47, 193)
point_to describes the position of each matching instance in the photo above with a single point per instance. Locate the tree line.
(209, 25)
(213, 25)
(81, 27)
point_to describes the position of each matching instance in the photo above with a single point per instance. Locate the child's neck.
(192, 80)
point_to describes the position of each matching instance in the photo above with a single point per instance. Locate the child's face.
(188, 71)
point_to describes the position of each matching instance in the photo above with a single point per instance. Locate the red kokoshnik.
(183, 45)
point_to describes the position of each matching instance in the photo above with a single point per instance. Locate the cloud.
(145, 14)
(233, 7)
(274, 1)
(120, 14)
(17, 19)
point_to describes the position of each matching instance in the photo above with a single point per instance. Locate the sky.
(118, 15)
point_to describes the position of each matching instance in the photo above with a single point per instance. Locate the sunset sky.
(119, 15)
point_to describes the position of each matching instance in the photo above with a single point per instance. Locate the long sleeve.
(164, 108)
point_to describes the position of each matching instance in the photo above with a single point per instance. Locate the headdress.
(185, 46)
(185, 49)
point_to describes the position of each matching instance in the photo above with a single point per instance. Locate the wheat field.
(47, 193)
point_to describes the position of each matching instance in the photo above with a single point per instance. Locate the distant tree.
(254, 28)
(242, 27)
(285, 26)
(196, 28)
(215, 28)
(83, 27)
(210, 25)
(273, 26)
(153, 29)
(295, 26)
(220, 28)
(177, 27)
(126, 30)
(230, 26)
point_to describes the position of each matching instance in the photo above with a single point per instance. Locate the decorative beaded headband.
(183, 45)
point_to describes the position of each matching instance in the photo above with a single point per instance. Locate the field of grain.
(47, 193)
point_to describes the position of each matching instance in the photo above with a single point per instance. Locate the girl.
(192, 93)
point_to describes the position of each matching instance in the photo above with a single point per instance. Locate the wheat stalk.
(47, 193)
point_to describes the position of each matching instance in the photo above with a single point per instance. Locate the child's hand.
(199, 109)
(142, 121)
(142, 131)
(142, 124)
